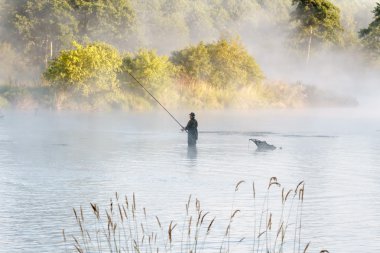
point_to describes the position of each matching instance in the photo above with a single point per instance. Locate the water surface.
(51, 162)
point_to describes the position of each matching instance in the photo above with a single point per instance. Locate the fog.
(266, 34)
(52, 161)
(84, 158)
(264, 29)
(345, 72)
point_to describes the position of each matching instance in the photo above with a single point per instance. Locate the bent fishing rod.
(137, 81)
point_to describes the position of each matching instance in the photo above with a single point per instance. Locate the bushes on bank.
(206, 76)
(224, 64)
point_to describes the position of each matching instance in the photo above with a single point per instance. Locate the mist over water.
(64, 160)
(53, 161)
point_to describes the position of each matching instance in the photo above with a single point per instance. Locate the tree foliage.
(46, 25)
(193, 61)
(40, 23)
(371, 36)
(12, 65)
(105, 19)
(212, 74)
(88, 69)
(223, 64)
(154, 71)
(319, 19)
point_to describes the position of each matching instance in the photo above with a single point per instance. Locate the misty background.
(51, 162)
(265, 28)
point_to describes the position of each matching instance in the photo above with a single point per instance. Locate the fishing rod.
(137, 81)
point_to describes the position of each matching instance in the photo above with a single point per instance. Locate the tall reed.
(124, 227)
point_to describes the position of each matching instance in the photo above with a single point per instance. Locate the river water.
(52, 162)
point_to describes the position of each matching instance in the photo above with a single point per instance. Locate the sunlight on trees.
(223, 64)
(371, 36)
(317, 20)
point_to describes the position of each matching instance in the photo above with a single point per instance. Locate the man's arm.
(188, 125)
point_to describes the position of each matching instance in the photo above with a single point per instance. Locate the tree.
(109, 20)
(354, 16)
(194, 62)
(1, 16)
(89, 72)
(318, 19)
(162, 24)
(223, 64)
(276, 11)
(239, 9)
(154, 71)
(232, 65)
(371, 36)
(13, 66)
(43, 25)
(47, 26)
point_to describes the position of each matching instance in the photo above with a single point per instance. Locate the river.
(51, 162)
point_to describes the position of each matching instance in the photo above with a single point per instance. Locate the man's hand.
(183, 129)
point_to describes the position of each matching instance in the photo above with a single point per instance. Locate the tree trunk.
(51, 49)
(309, 45)
(46, 44)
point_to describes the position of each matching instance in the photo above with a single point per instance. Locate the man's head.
(192, 115)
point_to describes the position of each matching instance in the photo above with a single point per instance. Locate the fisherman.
(192, 130)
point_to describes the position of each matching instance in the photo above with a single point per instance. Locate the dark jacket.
(192, 131)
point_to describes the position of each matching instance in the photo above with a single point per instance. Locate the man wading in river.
(192, 130)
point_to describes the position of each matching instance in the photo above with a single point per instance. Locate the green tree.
(109, 20)
(194, 62)
(318, 20)
(200, 22)
(162, 24)
(224, 64)
(276, 11)
(44, 26)
(235, 9)
(154, 71)
(354, 16)
(2, 4)
(371, 36)
(13, 66)
(47, 26)
(90, 72)
(232, 64)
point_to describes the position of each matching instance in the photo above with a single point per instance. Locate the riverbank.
(267, 95)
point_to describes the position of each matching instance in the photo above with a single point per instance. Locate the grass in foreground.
(276, 220)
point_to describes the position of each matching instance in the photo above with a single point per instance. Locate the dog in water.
(263, 145)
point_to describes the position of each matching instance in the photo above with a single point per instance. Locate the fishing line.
(156, 100)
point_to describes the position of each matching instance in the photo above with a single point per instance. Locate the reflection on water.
(50, 163)
(192, 154)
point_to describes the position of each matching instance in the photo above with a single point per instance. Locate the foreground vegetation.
(71, 54)
(276, 226)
